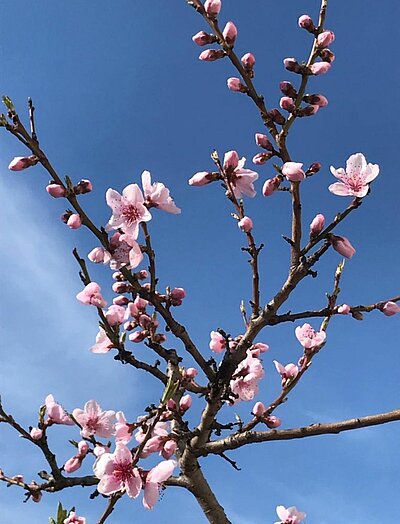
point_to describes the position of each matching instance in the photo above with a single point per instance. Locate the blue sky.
(118, 89)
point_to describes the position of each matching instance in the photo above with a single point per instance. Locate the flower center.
(131, 214)
(123, 471)
(92, 423)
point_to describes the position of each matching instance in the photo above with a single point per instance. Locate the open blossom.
(128, 209)
(154, 479)
(244, 381)
(94, 421)
(308, 337)
(115, 315)
(157, 195)
(73, 518)
(55, 413)
(91, 295)
(217, 342)
(125, 251)
(103, 343)
(289, 515)
(116, 472)
(356, 179)
(241, 179)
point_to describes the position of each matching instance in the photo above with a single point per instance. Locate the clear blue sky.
(118, 89)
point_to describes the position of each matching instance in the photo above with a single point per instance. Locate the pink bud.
(212, 7)
(84, 186)
(99, 449)
(308, 111)
(287, 89)
(287, 103)
(230, 33)
(271, 185)
(72, 464)
(320, 68)
(202, 38)
(293, 172)
(317, 225)
(231, 160)
(36, 496)
(55, 190)
(344, 309)
(191, 373)
(201, 179)
(262, 141)
(390, 308)
(291, 64)
(273, 422)
(259, 409)
(177, 295)
(169, 449)
(248, 60)
(217, 342)
(142, 274)
(210, 55)
(74, 221)
(325, 38)
(276, 116)
(36, 433)
(120, 300)
(327, 55)
(260, 158)
(171, 404)
(138, 336)
(185, 403)
(245, 224)
(99, 255)
(120, 287)
(314, 168)
(115, 315)
(22, 162)
(305, 22)
(342, 246)
(159, 338)
(83, 447)
(234, 84)
(316, 99)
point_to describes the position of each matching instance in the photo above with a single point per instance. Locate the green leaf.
(170, 390)
(8, 103)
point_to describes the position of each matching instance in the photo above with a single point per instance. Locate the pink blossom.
(258, 348)
(357, 177)
(230, 33)
(259, 409)
(55, 190)
(244, 381)
(390, 308)
(308, 337)
(293, 172)
(320, 68)
(217, 343)
(91, 295)
(210, 55)
(317, 225)
(262, 141)
(289, 515)
(344, 309)
(36, 433)
(342, 245)
(22, 162)
(325, 38)
(94, 421)
(74, 221)
(122, 428)
(306, 22)
(159, 430)
(157, 195)
(177, 295)
(234, 84)
(154, 480)
(245, 224)
(128, 209)
(99, 255)
(212, 7)
(103, 343)
(115, 315)
(248, 60)
(288, 372)
(125, 251)
(241, 179)
(231, 161)
(116, 472)
(55, 413)
(169, 449)
(138, 336)
(202, 38)
(73, 518)
(100, 449)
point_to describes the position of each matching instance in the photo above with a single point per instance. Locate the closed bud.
(327, 55)
(72, 464)
(320, 68)
(317, 225)
(276, 116)
(291, 64)
(82, 187)
(74, 221)
(210, 55)
(185, 403)
(293, 171)
(55, 190)
(245, 224)
(262, 141)
(342, 245)
(212, 7)
(99, 255)
(120, 300)
(230, 33)
(138, 336)
(287, 89)
(357, 315)
(259, 409)
(344, 309)
(234, 84)
(260, 158)
(202, 38)
(316, 99)
(231, 160)
(308, 111)
(20, 163)
(314, 168)
(271, 185)
(273, 422)
(306, 22)
(390, 308)
(202, 178)
(325, 38)
(287, 104)
(36, 433)
(191, 373)
(83, 447)
(159, 338)
(248, 60)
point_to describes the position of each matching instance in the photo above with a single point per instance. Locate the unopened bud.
(320, 68)
(291, 64)
(262, 141)
(325, 38)
(314, 168)
(287, 89)
(259, 409)
(230, 33)
(55, 190)
(82, 187)
(306, 22)
(212, 7)
(74, 221)
(210, 55)
(202, 38)
(260, 158)
(248, 60)
(276, 116)
(36, 433)
(287, 104)
(191, 373)
(234, 84)
(20, 163)
(273, 422)
(317, 225)
(271, 185)
(308, 111)
(245, 224)
(185, 403)
(327, 55)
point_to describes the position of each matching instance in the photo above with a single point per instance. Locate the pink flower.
(258, 348)
(212, 7)
(177, 295)
(116, 473)
(185, 403)
(245, 224)
(289, 515)
(291, 64)
(91, 295)
(342, 246)
(272, 422)
(288, 372)
(122, 428)
(308, 337)
(103, 343)
(325, 38)
(317, 225)
(73, 518)
(73, 464)
(241, 179)
(55, 190)
(244, 381)
(157, 195)
(390, 309)
(94, 421)
(22, 162)
(287, 103)
(128, 209)
(357, 177)
(154, 480)
(344, 309)
(99, 255)
(293, 172)
(55, 413)
(115, 315)
(320, 68)
(217, 343)
(191, 373)
(74, 221)
(125, 251)
(234, 84)
(230, 33)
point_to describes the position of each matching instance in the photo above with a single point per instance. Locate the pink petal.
(355, 164)
(338, 173)
(162, 471)
(109, 484)
(133, 485)
(372, 171)
(133, 194)
(151, 492)
(341, 189)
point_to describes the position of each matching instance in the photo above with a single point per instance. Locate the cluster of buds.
(220, 341)
(289, 103)
(263, 142)
(270, 420)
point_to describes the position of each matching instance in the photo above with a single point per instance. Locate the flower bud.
(287, 104)
(271, 185)
(171, 404)
(327, 55)
(36, 433)
(262, 141)
(390, 308)
(22, 162)
(317, 225)
(316, 99)
(202, 38)
(276, 116)
(260, 158)
(120, 300)
(320, 68)
(259, 409)
(191, 373)
(115, 315)
(230, 33)
(291, 64)
(273, 422)
(159, 338)
(344, 309)
(293, 172)
(55, 190)
(83, 447)
(305, 22)
(245, 224)
(231, 160)
(177, 295)
(74, 221)
(138, 336)
(99, 255)
(314, 168)
(210, 55)
(72, 464)
(212, 7)
(185, 403)
(308, 111)
(287, 89)
(342, 246)
(82, 187)
(325, 38)
(99, 450)
(248, 60)
(169, 449)
(202, 178)
(234, 84)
